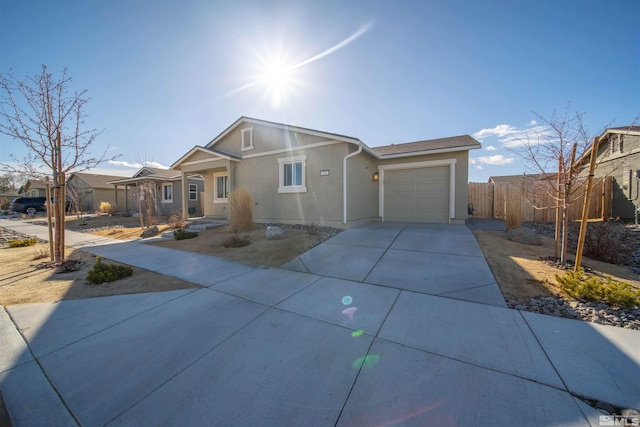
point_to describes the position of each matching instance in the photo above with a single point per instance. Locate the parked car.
(30, 205)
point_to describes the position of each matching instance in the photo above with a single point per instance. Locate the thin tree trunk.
(56, 200)
(48, 194)
(558, 216)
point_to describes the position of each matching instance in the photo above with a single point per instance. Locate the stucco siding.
(265, 139)
(322, 201)
(362, 190)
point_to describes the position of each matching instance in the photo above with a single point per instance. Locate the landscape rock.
(524, 235)
(589, 311)
(275, 233)
(150, 232)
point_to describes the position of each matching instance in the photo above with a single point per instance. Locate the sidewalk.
(264, 346)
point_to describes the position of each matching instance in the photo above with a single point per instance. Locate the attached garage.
(418, 192)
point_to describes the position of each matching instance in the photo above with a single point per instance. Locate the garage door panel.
(417, 195)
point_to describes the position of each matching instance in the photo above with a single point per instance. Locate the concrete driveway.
(385, 324)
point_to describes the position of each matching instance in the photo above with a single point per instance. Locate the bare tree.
(40, 112)
(7, 183)
(551, 152)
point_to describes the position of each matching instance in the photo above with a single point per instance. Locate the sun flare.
(278, 78)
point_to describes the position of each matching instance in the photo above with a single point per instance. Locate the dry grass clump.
(241, 217)
(514, 214)
(40, 254)
(236, 241)
(175, 220)
(106, 208)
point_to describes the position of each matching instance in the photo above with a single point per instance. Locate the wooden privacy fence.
(535, 201)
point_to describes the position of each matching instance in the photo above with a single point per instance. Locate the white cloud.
(499, 131)
(124, 164)
(480, 167)
(156, 165)
(513, 137)
(472, 161)
(497, 159)
(137, 165)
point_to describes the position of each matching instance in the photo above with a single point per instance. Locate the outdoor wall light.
(376, 176)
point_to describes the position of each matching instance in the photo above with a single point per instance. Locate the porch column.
(115, 187)
(126, 199)
(185, 196)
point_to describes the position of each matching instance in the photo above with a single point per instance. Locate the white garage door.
(417, 195)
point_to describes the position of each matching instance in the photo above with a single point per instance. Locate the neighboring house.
(168, 188)
(89, 190)
(299, 175)
(519, 179)
(619, 157)
(34, 188)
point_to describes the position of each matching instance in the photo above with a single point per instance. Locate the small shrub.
(22, 242)
(106, 208)
(241, 203)
(312, 229)
(580, 286)
(621, 294)
(104, 273)
(181, 234)
(236, 241)
(175, 220)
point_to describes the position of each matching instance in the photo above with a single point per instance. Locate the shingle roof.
(453, 142)
(97, 181)
(159, 173)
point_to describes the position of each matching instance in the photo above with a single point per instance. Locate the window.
(292, 174)
(221, 188)
(247, 139)
(193, 192)
(167, 193)
(616, 144)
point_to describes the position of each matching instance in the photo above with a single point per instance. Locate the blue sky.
(165, 75)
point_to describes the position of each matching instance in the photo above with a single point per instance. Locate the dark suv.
(28, 205)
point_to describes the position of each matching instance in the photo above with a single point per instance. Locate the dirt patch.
(521, 271)
(272, 253)
(22, 281)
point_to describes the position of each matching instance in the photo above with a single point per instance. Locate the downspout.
(344, 181)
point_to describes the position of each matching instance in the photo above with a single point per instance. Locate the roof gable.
(207, 152)
(156, 173)
(248, 120)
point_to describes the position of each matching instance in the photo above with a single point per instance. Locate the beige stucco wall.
(321, 203)
(461, 174)
(362, 190)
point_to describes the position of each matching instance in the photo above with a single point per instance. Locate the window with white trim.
(221, 184)
(292, 174)
(193, 192)
(247, 139)
(167, 193)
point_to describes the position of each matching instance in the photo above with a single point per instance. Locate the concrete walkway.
(385, 324)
